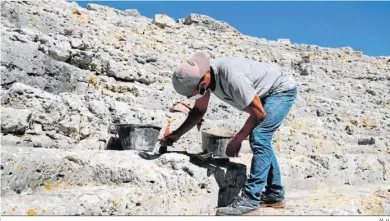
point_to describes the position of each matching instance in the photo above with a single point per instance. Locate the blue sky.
(364, 26)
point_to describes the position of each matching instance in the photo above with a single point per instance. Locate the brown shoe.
(272, 200)
(276, 205)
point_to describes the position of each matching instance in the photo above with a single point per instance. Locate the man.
(263, 91)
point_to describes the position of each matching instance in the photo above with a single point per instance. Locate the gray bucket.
(138, 136)
(215, 141)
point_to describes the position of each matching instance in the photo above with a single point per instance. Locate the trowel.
(164, 148)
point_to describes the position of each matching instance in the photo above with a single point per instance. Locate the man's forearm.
(193, 119)
(256, 115)
(249, 125)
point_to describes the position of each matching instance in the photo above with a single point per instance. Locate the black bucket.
(138, 136)
(215, 141)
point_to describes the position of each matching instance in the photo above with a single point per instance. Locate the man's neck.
(212, 76)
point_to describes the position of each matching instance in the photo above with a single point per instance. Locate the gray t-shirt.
(239, 80)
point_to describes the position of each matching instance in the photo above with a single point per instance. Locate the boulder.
(163, 20)
(14, 121)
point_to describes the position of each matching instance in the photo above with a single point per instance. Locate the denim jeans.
(264, 167)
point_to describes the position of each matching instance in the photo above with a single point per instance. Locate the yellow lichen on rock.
(48, 186)
(31, 212)
(78, 15)
(368, 122)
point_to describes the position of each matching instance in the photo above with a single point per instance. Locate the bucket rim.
(139, 126)
(204, 131)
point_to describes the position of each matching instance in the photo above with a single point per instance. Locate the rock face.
(70, 75)
(45, 174)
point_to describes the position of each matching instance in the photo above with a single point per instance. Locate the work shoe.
(241, 205)
(270, 199)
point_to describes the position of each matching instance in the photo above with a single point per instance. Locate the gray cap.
(189, 73)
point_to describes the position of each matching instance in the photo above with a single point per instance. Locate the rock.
(192, 18)
(162, 21)
(145, 58)
(23, 96)
(14, 121)
(21, 38)
(70, 125)
(284, 41)
(12, 140)
(181, 20)
(208, 22)
(69, 168)
(366, 141)
(82, 59)
(35, 129)
(349, 130)
(80, 72)
(60, 52)
(132, 12)
(118, 71)
(103, 9)
(31, 61)
(98, 108)
(373, 93)
(42, 141)
(174, 158)
(12, 75)
(306, 71)
(74, 102)
(320, 113)
(77, 43)
(85, 131)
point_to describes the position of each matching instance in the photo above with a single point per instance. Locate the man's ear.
(203, 84)
(206, 80)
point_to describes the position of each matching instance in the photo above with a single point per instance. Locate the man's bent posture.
(262, 90)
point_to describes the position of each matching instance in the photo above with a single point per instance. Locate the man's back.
(239, 79)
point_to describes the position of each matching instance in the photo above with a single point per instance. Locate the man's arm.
(256, 115)
(195, 115)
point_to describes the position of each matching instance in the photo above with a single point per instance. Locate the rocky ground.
(70, 74)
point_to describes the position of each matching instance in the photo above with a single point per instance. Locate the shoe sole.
(273, 205)
(250, 213)
(253, 213)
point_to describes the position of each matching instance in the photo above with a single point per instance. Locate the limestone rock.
(14, 121)
(132, 12)
(208, 22)
(60, 52)
(77, 43)
(162, 21)
(70, 75)
(284, 41)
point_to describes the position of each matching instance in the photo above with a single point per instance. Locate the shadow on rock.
(114, 144)
(230, 176)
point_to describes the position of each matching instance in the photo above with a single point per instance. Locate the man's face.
(200, 90)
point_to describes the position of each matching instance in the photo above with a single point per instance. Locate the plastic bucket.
(215, 141)
(138, 136)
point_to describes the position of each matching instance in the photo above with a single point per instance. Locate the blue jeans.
(264, 167)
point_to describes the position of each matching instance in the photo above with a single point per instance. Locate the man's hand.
(257, 114)
(169, 139)
(233, 147)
